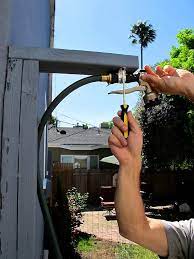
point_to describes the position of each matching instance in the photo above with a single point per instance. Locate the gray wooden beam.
(9, 164)
(76, 61)
(28, 223)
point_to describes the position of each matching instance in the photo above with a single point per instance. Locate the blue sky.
(98, 25)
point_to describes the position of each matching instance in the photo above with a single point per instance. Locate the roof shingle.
(78, 136)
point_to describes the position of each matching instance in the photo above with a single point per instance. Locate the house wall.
(57, 152)
(26, 23)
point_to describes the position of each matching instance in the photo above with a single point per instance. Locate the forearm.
(128, 202)
(190, 93)
(132, 221)
(189, 88)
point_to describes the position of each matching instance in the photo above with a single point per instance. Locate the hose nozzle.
(150, 95)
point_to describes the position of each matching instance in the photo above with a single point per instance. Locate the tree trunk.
(141, 57)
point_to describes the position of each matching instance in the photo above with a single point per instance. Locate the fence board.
(27, 186)
(64, 174)
(95, 181)
(84, 180)
(80, 181)
(9, 166)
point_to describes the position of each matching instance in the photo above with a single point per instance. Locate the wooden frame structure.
(18, 120)
(20, 217)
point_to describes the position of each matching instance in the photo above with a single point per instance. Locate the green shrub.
(77, 203)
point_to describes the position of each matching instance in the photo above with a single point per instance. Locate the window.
(67, 159)
(94, 162)
(83, 162)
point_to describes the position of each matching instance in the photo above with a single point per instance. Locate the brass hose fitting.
(107, 78)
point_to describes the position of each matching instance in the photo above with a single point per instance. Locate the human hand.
(170, 80)
(127, 151)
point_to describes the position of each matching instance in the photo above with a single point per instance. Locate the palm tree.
(142, 33)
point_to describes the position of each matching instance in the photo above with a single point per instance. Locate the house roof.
(78, 138)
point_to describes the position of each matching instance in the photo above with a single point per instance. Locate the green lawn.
(93, 248)
(133, 251)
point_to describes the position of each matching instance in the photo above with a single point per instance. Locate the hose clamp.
(122, 75)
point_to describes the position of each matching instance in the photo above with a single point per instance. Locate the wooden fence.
(164, 186)
(86, 181)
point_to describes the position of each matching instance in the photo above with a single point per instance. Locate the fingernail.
(125, 128)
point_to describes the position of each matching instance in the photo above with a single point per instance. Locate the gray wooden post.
(9, 159)
(21, 218)
(3, 72)
(27, 182)
(22, 23)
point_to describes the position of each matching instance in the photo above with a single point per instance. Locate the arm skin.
(132, 221)
(133, 224)
(170, 80)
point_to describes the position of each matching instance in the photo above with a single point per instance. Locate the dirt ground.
(96, 224)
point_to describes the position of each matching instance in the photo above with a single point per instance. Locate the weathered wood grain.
(3, 71)
(27, 186)
(76, 61)
(9, 164)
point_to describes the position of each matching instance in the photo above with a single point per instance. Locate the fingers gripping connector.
(150, 97)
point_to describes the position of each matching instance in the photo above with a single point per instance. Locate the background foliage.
(169, 127)
(77, 203)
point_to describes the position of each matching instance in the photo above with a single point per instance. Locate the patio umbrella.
(110, 160)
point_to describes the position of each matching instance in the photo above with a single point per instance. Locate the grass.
(95, 249)
(133, 251)
(86, 245)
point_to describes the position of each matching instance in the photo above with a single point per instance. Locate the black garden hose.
(43, 122)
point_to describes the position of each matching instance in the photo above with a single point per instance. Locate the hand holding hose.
(170, 80)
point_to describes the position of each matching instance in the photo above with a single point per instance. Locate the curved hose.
(41, 196)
